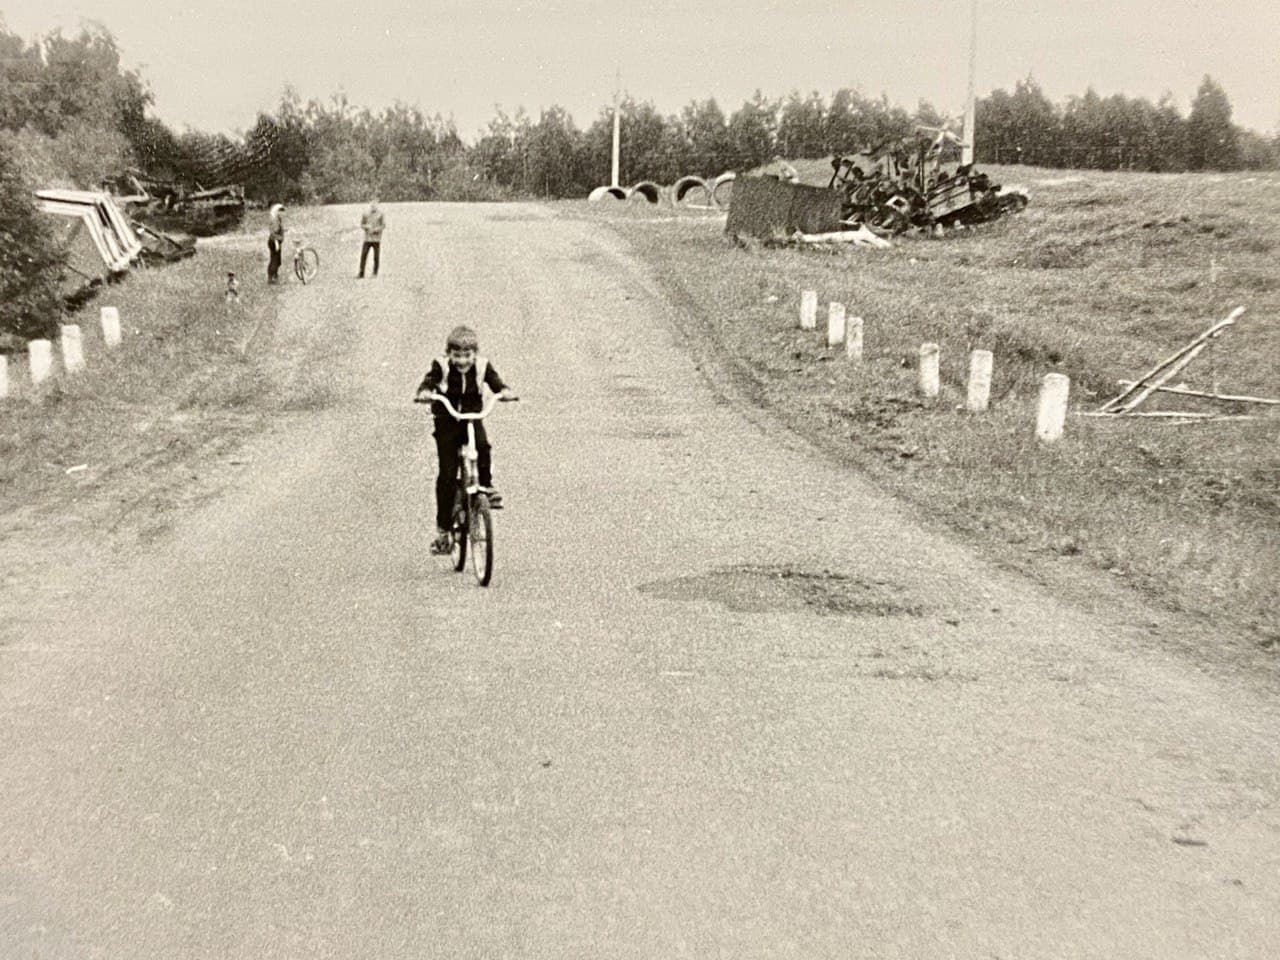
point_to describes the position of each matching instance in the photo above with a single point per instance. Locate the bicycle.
(306, 262)
(472, 528)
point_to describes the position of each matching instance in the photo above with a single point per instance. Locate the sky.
(213, 65)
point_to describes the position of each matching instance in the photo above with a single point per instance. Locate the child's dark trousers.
(449, 436)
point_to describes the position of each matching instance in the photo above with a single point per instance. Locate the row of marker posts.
(1052, 411)
(841, 328)
(71, 345)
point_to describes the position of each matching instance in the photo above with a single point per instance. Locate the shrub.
(30, 261)
(79, 158)
(460, 182)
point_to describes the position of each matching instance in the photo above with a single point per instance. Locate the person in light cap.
(275, 241)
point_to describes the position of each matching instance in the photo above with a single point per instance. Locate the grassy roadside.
(1103, 276)
(120, 442)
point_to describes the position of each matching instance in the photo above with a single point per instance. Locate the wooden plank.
(1164, 414)
(1184, 392)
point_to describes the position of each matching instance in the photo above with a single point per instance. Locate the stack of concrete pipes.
(685, 192)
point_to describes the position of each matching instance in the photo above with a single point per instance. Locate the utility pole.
(617, 88)
(970, 120)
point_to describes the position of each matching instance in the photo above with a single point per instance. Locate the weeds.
(181, 379)
(1100, 278)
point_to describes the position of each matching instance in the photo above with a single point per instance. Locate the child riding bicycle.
(460, 375)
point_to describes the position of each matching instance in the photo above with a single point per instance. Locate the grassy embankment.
(192, 377)
(1103, 276)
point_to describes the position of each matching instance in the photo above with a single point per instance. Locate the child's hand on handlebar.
(506, 394)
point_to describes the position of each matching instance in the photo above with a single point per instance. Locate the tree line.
(72, 115)
(1118, 132)
(333, 152)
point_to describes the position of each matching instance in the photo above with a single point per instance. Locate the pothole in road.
(750, 588)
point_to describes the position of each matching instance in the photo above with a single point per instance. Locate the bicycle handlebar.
(493, 399)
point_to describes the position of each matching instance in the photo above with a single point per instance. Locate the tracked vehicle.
(918, 183)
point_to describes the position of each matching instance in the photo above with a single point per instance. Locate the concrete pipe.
(692, 191)
(607, 193)
(645, 190)
(722, 188)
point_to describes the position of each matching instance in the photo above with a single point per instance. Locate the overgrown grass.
(192, 374)
(1100, 278)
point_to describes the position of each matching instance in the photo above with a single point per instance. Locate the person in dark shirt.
(461, 374)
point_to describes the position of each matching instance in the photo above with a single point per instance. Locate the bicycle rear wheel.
(306, 264)
(480, 533)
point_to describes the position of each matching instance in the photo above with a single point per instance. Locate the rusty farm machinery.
(918, 183)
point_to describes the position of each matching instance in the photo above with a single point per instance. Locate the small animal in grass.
(232, 294)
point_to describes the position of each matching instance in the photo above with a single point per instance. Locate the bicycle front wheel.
(306, 264)
(459, 552)
(480, 533)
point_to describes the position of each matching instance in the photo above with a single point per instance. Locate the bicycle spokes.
(459, 551)
(480, 535)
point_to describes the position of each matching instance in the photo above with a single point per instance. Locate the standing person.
(275, 241)
(373, 224)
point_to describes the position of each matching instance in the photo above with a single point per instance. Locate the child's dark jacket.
(462, 389)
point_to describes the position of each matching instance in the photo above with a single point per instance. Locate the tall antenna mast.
(970, 118)
(617, 92)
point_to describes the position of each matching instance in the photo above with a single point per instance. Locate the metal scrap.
(166, 205)
(918, 183)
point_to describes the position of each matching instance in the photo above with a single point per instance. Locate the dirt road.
(722, 700)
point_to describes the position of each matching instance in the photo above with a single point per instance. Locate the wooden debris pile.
(1156, 380)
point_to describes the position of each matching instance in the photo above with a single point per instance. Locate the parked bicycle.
(306, 262)
(471, 535)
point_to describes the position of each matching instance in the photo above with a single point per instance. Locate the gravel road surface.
(722, 699)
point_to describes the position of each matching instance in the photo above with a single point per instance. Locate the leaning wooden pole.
(1154, 378)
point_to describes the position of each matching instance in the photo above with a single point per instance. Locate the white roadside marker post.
(111, 326)
(809, 310)
(1052, 414)
(980, 364)
(72, 348)
(835, 323)
(40, 353)
(929, 359)
(4, 375)
(853, 338)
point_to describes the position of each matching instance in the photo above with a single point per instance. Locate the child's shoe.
(442, 544)
(495, 498)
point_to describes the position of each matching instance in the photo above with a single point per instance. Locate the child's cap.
(462, 338)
